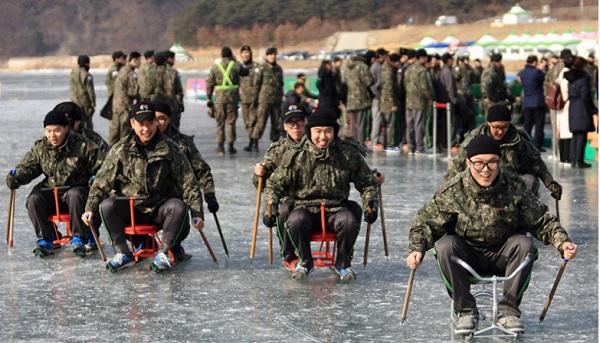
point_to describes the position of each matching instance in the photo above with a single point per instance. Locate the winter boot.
(250, 145)
(232, 149)
(220, 149)
(161, 262)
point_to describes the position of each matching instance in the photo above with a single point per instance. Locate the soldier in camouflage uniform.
(119, 60)
(178, 92)
(148, 165)
(357, 78)
(249, 91)
(389, 101)
(318, 173)
(188, 147)
(146, 75)
(419, 94)
(126, 91)
(81, 85)
(165, 86)
(224, 80)
(269, 98)
(493, 88)
(481, 216)
(74, 115)
(65, 158)
(518, 152)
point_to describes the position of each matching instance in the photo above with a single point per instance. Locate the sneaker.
(179, 253)
(78, 246)
(392, 149)
(290, 264)
(119, 261)
(91, 244)
(345, 274)
(44, 248)
(510, 322)
(466, 324)
(161, 262)
(301, 273)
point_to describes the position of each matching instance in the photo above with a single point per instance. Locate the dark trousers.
(535, 116)
(285, 242)
(501, 260)
(40, 205)
(564, 150)
(172, 217)
(345, 223)
(578, 146)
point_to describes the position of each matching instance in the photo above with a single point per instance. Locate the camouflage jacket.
(71, 164)
(146, 79)
(199, 165)
(271, 84)
(358, 79)
(96, 138)
(126, 90)
(518, 154)
(111, 76)
(165, 87)
(250, 84)
(388, 92)
(81, 84)
(158, 172)
(418, 87)
(309, 175)
(216, 79)
(484, 217)
(492, 84)
(275, 153)
(178, 91)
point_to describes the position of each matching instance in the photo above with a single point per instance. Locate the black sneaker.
(232, 149)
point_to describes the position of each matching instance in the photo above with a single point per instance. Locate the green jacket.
(146, 80)
(518, 154)
(271, 84)
(126, 90)
(493, 84)
(111, 76)
(275, 153)
(388, 93)
(96, 138)
(215, 80)
(309, 175)
(167, 88)
(199, 165)
(71, 164)
(484, 217)
(81, 85)
(418, 88)
(357, 78)
(250, 84)
(158, 171)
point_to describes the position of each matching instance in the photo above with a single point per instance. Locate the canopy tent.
(180, 52)
(486, 40)
(450, 40)
(516, 15)
(427, 40)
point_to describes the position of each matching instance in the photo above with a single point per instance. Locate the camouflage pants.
(376, 123)
(249, 114)
(226, 115)
(354, 124)
(389, 129)
(86, 119)
(119, 126)
(264, 112)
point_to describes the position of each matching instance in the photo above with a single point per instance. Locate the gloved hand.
(210, 104)
(211, 202)
(11, 181)
(370, 214)
(555, 190)
(269, 220)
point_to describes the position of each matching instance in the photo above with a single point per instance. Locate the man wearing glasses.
(482, 216)
(519, 154)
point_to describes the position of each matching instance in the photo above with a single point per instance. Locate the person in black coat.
(328, 94)
(581, 110)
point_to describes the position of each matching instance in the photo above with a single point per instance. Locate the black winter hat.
(272, 50)
(143, 110)
(483, 144)
(161, 106)
(55, 117)
(226, 52)
(323, 117)
(421, 53)
(160, 58)
(148, 53)
(83, 60)
(498, 112)
(246, 48)
(118, 54)
(70, 109)
(496, 57)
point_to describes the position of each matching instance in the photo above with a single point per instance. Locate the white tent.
(450, 40)
(180, 53)
(516, 15)
(427, 40)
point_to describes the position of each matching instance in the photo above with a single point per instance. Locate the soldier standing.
(481, 216)
(224, 80)
(357, 78)
(249, 91)
(419, 94)
(81, 85)
(125, 93)
(119, 60)
(65, 158)
(389, 102)
(177, 89)
(270, 96)
(493, 89)
(146, 75)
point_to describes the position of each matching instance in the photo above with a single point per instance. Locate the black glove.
(211, 202)
(269, 220)
(555, 190)
(210, 104)
(11, 181)
(370, 214)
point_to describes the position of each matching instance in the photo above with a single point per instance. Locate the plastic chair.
(151, 243)
(324, 258)
(58, 217)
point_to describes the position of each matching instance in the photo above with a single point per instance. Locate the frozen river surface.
(68, 299)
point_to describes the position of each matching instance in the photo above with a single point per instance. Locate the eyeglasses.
(299, 123)
(491, 165)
